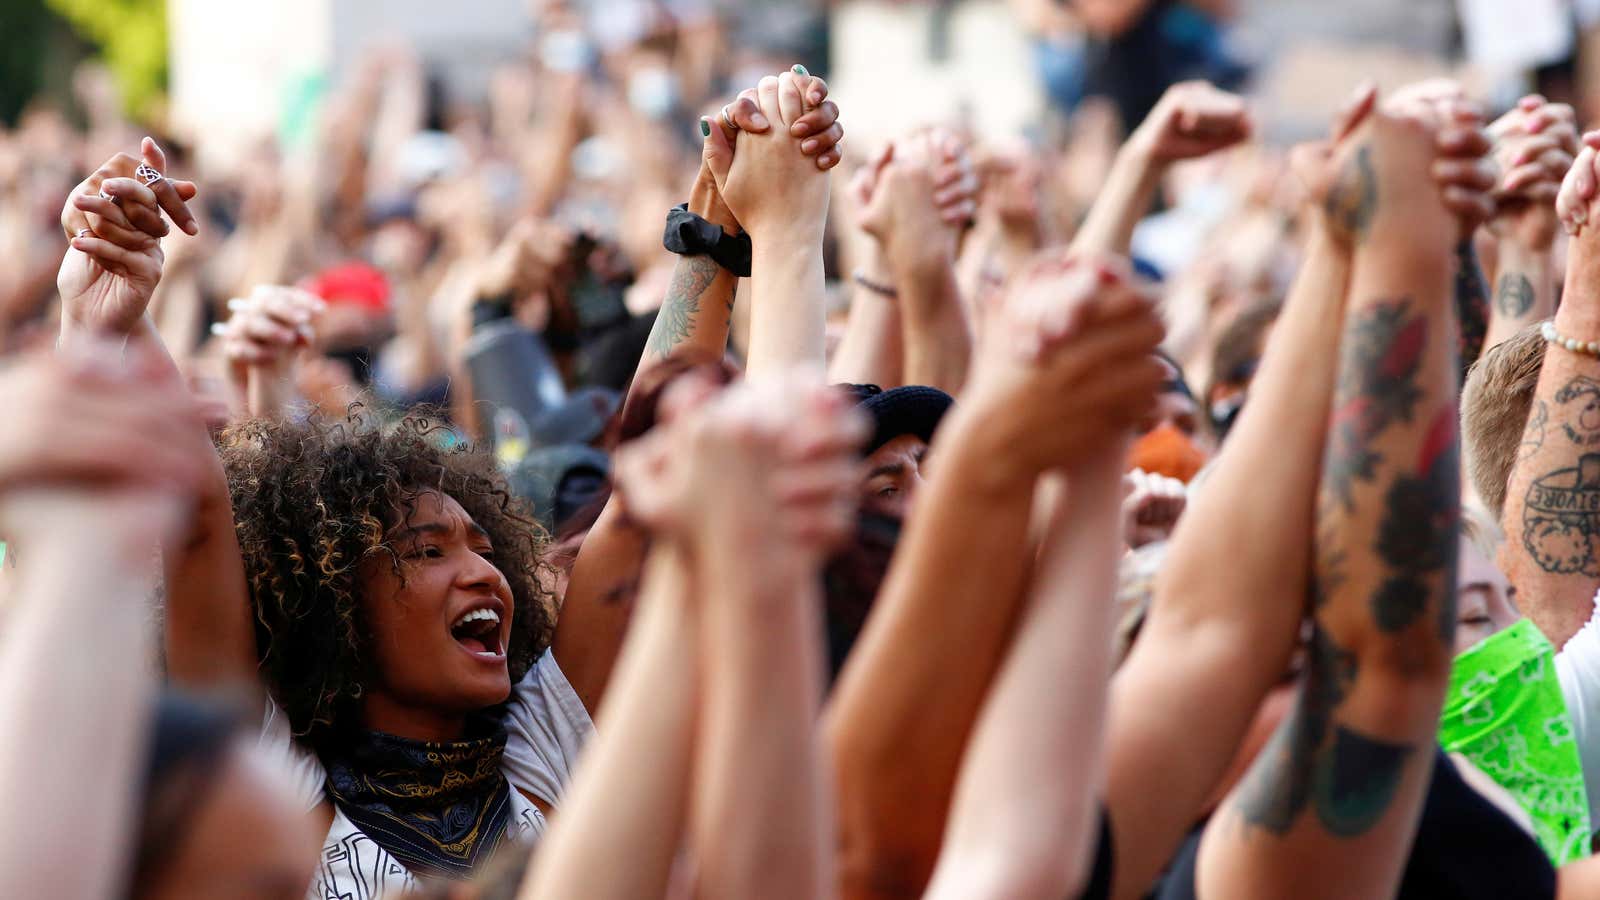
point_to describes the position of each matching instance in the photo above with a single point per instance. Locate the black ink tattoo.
(1417, 534)
(1581, 426)
(1472, 305)
(1377, 388)
(1533, 434)
(1561, 519)
(690, 279)
(1514, 296)
(1561, 511)
(1358, 782)
(1353, 199)
(1279, 785)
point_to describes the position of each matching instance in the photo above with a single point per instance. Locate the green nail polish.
(705, 128)
(800, 70)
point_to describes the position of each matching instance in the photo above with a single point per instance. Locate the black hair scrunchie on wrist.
(689, 235)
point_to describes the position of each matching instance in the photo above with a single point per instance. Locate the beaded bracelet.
(1549, 332)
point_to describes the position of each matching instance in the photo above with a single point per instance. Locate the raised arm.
(1218, 638)
(88, 486)
(954, 590)
(920, 199)
(692, 327)
(114, 219)
(779, 462)
(1026, 808)
(1553, 528)
(781, 197)
(261, 341)
(1330, 806)
(907, 324)
(1191, 119)
(1534, 147)
(629, 798)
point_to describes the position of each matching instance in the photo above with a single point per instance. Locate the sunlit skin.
(894, 476)
(427, 682)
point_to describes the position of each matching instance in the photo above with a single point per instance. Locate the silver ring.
(106, 196)
(727, 120)
(147, 175)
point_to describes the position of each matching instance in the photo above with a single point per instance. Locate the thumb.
(718, 152)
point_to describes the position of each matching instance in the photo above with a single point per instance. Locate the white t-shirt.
(1578, 668)
(546, 727)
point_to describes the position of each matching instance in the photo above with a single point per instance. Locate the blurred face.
(1484, 598)
(246, 840)
(894, 475)
(440, 628)
(1178, 410)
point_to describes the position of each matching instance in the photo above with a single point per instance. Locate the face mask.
(652, 93)
(1505, 712)
(1167, 451)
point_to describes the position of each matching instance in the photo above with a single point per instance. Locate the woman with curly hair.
(397, 597)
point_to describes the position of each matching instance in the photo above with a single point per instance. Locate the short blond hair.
(1494, 411)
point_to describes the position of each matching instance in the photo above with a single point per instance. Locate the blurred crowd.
(631, 467)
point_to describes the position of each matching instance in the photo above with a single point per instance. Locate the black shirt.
(1466, 848)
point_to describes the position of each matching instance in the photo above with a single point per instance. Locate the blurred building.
(244, 71)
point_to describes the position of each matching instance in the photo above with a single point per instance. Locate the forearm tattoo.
(1514, 295)
(1561, 512)
(1472, 304)
(1350, 778)
(691, 277)
(1353, 200)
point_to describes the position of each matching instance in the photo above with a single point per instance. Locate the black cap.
(559, 480)
(910, 409)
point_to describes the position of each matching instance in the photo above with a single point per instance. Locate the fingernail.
(816, 98)
(190, 228)
(218, 329)
(238, 304)
(799, 70)
(800, 129)
(758, 120)
(705, 127)
(808, 146)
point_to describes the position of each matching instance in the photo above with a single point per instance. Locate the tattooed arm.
(1219, 637)
(1534, 146)
(1329, 807)
(1552, 512)
(691, 326)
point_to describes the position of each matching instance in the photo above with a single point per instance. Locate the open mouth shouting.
(479, 631)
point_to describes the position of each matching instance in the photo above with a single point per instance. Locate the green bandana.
(1505, 712)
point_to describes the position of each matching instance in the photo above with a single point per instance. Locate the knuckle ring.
(147, 175)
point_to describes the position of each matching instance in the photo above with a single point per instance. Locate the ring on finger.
(147, 175)
(106, 196)
(727, 120)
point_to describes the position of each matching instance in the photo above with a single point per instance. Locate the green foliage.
(132, 37)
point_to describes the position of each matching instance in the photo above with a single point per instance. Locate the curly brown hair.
(312, 501)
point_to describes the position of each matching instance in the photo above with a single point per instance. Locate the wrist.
(977, 439)
(705, 201)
